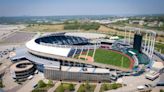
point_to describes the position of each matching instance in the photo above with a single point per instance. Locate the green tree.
(50, 83)
(66, 22)
(41, 84)
(87, 85)
(71, 87)
(61, 89)
(81, 89)
(105, 86)
(1, 84)
(161, 90)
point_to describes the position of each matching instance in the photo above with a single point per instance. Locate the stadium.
(87, 56)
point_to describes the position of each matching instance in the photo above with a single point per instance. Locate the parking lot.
(133, 82)
(18, 37)
(6, 30)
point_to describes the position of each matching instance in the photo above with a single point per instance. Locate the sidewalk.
(77, 87)
(54, 87)
(29, 86)
(98, 86)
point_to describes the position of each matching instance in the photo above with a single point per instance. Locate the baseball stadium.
(82, 56)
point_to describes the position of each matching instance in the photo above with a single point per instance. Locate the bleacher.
(120, 46)
(62, 40)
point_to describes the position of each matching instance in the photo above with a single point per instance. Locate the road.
(29, 86)
(132, 83)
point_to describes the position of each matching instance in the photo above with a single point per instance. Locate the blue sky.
(79, 7)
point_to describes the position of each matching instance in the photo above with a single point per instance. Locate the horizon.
(77, 8)
(124, 15)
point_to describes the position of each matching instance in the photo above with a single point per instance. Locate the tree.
(1, 84)
(41, 84)
(87, 85)
(50, 83)
(161, 90)
(105, 87)
(61, 89)
(81, 89)
(71, 87)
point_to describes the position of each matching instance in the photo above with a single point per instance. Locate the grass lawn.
(65, 87)
(42, 86)
(110, 57)
(44, 28)
(159, 46)
(86, 88)
(105, 87)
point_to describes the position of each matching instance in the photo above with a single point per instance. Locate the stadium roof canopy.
(32, 45)
(23, 53)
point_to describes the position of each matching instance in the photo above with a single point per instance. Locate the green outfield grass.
(110, 57)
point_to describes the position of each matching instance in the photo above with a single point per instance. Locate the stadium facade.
(56, 56)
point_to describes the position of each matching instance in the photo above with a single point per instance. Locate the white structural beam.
(129, 35)
(145, 45)
(74, 52)
(154, 43)
(151, 45)
(94, 52)
(125, 36)
(87, 54)
(148, 47)
(81, 52)
(149, 39)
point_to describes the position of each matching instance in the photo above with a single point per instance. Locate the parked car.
(30, 77)
(160, 84)
(36, 72)
(143, 87)
(34, 86)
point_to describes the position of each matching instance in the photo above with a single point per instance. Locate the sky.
(80, 7)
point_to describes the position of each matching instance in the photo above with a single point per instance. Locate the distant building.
(153, 24)
(160, 24)
(141, 22)
(109, 21)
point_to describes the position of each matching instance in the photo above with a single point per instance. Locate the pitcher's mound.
(88, 58)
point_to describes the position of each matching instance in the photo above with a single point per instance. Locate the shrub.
(71, 87)
(87, 85)
(1, 84)
(105, 87)
(86, 26)
(161, 90)
(41, 84)
(50, 83)
(60, 89)
(39, 90)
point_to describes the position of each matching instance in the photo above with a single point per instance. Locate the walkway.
(29, 86)
(54, 87)
(98, 86)
(77, 87)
